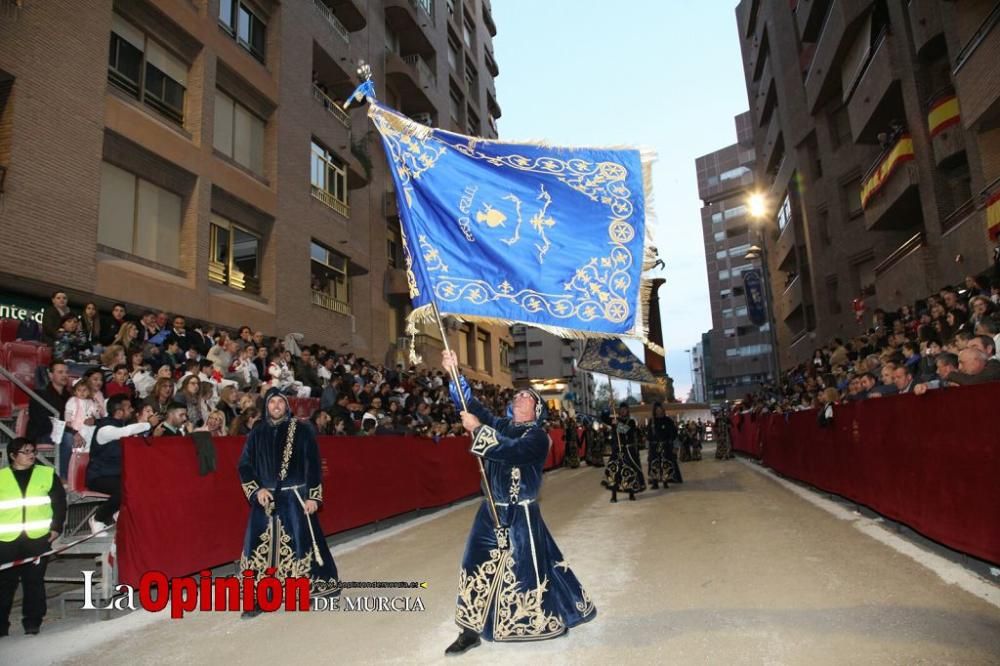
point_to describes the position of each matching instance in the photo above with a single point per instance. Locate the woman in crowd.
(112, 356)
(127, 335)
(161, 396)
(90, 324)
(245, 422)
(215, 424)
(227, 403)
(189, 395)
(140, 374)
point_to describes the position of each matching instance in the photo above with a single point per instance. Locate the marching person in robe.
(662, 463)
(722, 436)
(572, 459)
(624, 470)
(594, 443)
(282, 479)
(514, 584)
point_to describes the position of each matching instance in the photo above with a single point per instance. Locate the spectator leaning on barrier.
(947, 363)
(975, 367)
(104, 472)
(175, 422)
(32, 513)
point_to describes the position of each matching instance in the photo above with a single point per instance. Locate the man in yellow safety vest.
(32, 513)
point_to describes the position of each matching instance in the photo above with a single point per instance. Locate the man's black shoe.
(250, 614)
(32, 630)
(466, 640)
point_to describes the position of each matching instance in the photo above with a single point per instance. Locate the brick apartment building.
(878, 147)
(191, 156)
(738, 352)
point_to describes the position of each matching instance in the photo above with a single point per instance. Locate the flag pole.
(458, 387)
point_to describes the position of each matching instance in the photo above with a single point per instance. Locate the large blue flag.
(503, 232)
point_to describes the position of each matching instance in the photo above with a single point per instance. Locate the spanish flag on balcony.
(901, 153)
(943, 114)
(993, 216)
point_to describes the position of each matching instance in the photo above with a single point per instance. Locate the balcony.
(905, 259)
(411, 20)
(414, 79)
(876, 100)
(396, 283)
(977, 77)
(836, 36)
(767, 96)
(774, 144)
(353, 13)
(332, 107)
(790, 299)
(331, 201)
(488, 19)
(784, 249)
(925, 23)
(332, 21)
(491, 62)
(328, 302)
(945, 124)
(809, 15)
(889, 191)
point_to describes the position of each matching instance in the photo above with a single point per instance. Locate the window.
(724, 275)
(468, 30)
(455, 107)
(833, 295)
(328, 176)
(734, 173)
(239, 134)
(504, 356)
(393, 249)
(738, 270)
(720, 236)
(482, 350)
(739, 251)
(717, 218)
(145, 70)
(330, 283)
(735, 212)
(741, 311)
(463, 345)
(727, 312)
(244, 25)
(785, 213)
(234, 256)
(138, 217)
(729, 332)
(452, 55)
(721, 254)
(725, 293)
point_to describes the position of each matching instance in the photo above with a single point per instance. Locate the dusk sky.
(662, 75)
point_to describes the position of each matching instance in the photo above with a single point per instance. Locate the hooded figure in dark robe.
(282, 479)
(514, 584)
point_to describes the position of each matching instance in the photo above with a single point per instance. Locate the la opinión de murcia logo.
(184, 594)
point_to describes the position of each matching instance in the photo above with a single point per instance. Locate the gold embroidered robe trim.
(517, 616)
(286, 456)
(275, 550)
(316, 493)
(250, 488)
(484, 440)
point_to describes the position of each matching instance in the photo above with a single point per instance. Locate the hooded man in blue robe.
(514, 584)
(282, 479)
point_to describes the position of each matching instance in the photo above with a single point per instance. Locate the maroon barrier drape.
(931, 462)
(175, 521)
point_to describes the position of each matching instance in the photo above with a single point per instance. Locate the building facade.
(547, 363)
(193, 156)
(739, 351)
(876, 130)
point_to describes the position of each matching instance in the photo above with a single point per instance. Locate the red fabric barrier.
(178, 522)
(745, 434)
(931, 462)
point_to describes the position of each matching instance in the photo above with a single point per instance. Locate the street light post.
(758, 211)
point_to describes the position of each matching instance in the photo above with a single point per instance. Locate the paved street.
(731, 567)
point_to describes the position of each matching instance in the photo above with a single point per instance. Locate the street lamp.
(757, 205)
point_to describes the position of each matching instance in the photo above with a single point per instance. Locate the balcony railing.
(977, 38)
(423, 69)
(334, 22)
(425, 6)
(335, 110)
(885, 166)
(331, 201)
(328, 302)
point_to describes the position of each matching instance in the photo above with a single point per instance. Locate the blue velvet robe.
(526, 592)
(624, 470)
(284, 459)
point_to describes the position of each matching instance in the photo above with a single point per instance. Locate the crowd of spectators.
(202, 377)
(948, 339)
